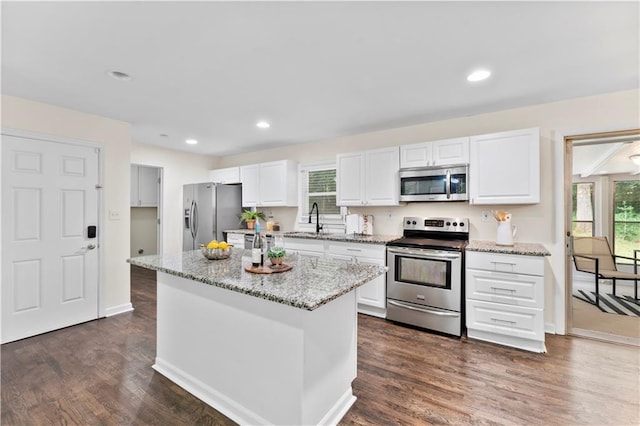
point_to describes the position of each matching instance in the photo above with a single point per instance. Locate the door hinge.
(158, 221)
(158, 181)
(98, 186)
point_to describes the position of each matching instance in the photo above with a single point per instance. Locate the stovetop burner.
(434, 233)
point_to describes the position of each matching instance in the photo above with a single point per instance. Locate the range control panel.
(442, 224)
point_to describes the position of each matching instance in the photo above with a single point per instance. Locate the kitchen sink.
(302, 234)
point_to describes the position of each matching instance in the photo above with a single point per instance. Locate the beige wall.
(178, 168)
(536, 223)
(144, 231)
(115, 137)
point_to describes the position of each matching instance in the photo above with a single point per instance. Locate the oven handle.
(426, 311)
(424, 254)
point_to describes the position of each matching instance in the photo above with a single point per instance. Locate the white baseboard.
(207, 394)
(550, 328)
(120, 309)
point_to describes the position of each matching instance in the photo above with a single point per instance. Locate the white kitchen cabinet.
(444, 152)
(505, 299)
(226, 175)
(278, 183)
(305, 247)
(504, 168)
(236, 240)
(372, 297)
(144, 186)
(269, 184)
(368, 178)
(249, 179)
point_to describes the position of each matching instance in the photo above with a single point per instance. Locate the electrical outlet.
(486, 216)
(114, 215)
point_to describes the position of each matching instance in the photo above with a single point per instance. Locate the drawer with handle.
(517, 264)
(512, 289)
(504, 319)
(375, 251)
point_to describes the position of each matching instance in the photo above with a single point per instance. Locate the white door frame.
(559, 264)
(71, 141)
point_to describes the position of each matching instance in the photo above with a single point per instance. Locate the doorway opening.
(146, 210)
(602, 199)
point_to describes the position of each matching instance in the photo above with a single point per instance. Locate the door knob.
(91, 246)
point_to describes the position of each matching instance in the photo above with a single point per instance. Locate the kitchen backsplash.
(388, 220)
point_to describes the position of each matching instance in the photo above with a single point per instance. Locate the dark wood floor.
(100, 373)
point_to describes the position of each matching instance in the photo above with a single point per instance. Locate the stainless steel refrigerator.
(209, 209)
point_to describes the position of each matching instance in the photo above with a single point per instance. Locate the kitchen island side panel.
(257, 361)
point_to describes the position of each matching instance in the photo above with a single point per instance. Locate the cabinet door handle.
(502, 289)
(503, 263)
(503, 321)
(352, 249)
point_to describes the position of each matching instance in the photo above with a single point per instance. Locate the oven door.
(425, 277)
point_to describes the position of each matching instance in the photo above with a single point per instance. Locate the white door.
(49, 265)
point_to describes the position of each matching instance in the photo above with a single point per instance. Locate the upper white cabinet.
(227, 175)
(368, 178)
(505, 168)
(249, 179)
(278, 183)
(144, 186)
(269, 184)
(445, 152)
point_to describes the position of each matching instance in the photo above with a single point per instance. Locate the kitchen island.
(261, 349)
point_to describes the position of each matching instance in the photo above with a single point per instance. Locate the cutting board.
(273, 269)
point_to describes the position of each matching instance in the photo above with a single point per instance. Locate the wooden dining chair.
(593, 255)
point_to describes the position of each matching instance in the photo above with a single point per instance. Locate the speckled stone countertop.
(310, 284)
(351, 238)
(527, 249)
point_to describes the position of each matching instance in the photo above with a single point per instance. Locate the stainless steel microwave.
(448, 183)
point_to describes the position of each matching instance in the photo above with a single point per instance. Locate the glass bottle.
(257, 247)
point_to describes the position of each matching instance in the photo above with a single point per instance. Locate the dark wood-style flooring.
(100, 373)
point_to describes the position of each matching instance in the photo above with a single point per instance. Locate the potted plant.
(250, 217)
(276, 255)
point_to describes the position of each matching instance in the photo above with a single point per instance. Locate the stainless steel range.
(425, 278)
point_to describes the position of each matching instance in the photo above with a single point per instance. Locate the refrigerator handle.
(187, 218)
(194, 221)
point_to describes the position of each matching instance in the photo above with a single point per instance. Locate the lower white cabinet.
(505, 299)
(372, 297)
(236, 240)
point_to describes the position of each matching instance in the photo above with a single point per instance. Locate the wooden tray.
(273, 269)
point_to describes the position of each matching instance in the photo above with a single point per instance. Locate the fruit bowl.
(215, 253)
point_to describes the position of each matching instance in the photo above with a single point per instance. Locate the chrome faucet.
(318, 226)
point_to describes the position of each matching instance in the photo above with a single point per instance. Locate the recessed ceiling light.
(478, 75)
(191, 141)
(263, 124)
(119, 75)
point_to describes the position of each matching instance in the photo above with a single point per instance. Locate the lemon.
(213, 244)
(223, 245)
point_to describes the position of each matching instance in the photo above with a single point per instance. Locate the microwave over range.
(448, 183)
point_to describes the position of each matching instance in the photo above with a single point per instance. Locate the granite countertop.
(310, 284)
(527, 249)
(352, 238)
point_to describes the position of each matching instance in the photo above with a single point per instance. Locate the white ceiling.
(211, 70)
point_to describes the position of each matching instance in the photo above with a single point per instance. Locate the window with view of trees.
(319, 186)
(626, 225)
(582, 215)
